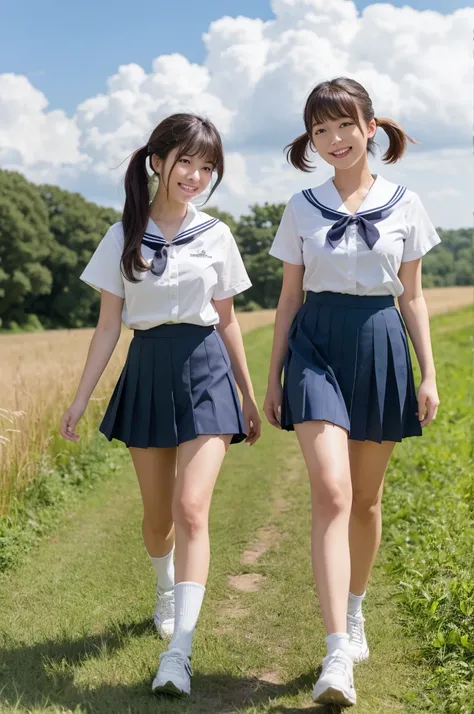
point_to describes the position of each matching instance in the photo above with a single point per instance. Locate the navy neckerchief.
(362, 219)
(160, 245)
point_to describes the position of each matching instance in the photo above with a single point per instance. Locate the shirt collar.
(379, 195)
(192, 219)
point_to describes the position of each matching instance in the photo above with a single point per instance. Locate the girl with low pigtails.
(353, 244)
(170, 272)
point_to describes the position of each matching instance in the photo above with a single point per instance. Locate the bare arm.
(229, 329)
(291, 299)
(415, 315)
(101, 347)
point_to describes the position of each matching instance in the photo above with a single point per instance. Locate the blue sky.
(68, 49)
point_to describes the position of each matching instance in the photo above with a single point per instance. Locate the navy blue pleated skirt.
(348, 363)
(176, 384)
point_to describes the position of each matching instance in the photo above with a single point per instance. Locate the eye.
(209, 169)
(347, 123)
(317, 131)
(185, 161)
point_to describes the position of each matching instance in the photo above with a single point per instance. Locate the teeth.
(188, 188)
(338, 153)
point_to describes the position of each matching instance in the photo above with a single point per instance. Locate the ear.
(371, 129)
(156, 163)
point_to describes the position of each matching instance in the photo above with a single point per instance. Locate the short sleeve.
(103, 269)
(232, 275)
(287, 244)
(421, 234)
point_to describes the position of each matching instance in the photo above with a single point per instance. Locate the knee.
(331, 498)
(190, 516)
(158, 528)
(366, 507)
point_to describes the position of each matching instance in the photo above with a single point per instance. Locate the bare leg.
(156, 472)
(368, 462)
(199, 463)
(325, 451)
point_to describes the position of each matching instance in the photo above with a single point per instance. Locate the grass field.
(76, 634)
(38, 376)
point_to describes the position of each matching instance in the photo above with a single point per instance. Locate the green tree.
(77, 226)
(25, 246)
(225, 217)
(255, 233)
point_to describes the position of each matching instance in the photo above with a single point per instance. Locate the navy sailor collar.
(380, 200)
(193, 225)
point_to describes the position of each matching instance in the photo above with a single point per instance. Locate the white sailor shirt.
(201, 264)
(360, 253)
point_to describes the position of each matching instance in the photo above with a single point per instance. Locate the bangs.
(330, 103)
(202, 143)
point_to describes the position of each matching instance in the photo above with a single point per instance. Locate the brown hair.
(343, 97)
(193, 136)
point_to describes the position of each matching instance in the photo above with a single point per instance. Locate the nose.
(335, 139)
(194, 175)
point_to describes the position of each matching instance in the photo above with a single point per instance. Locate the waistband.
(374, 302)
(177, 330)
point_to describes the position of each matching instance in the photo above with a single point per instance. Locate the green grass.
(65, 474)
(429, 516)
(75, 620)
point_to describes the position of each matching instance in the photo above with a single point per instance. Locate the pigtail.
(397, 138)
(135, 213)
(296, 153)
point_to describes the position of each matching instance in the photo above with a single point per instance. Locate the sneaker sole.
(335, 696)
(362, 657)
(171, 689)
(161, 633)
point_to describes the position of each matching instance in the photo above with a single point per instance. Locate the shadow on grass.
(43, 675)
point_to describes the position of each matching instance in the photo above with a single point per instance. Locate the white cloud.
(253, 84)
(31, 137)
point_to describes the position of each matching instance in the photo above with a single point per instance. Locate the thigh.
(325, 451)
(156, 473)
(369, 461)
(198, 466)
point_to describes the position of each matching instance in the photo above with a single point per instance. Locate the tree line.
(47, 236)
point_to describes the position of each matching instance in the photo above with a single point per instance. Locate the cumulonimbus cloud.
(252, 84)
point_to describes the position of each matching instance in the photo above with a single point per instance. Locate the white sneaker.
(336, 683)
(174, 674)
(358, 647)
(164, 614)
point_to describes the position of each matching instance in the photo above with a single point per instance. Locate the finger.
(431, 414)
(67, 428)
(422, 408)
(256, 430)
(272, 418)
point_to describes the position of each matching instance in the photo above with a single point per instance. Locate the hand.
(252, 419)
(428, 401)
(69, 421)
(272, 404)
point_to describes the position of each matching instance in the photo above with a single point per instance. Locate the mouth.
(187, 188)
(341, 153)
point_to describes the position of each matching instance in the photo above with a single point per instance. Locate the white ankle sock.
(164, 569)
(188, 599)
(337, 641)
(354, 605)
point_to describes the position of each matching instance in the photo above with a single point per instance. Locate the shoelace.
(337, 664)
(165, 605)
(175, 661)
(355, 625)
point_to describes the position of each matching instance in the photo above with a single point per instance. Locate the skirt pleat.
(176, 384)
(348, 363)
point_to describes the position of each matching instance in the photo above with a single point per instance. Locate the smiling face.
(341, 141)
(183, 176)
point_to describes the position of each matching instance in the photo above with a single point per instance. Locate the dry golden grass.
(39, 373)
